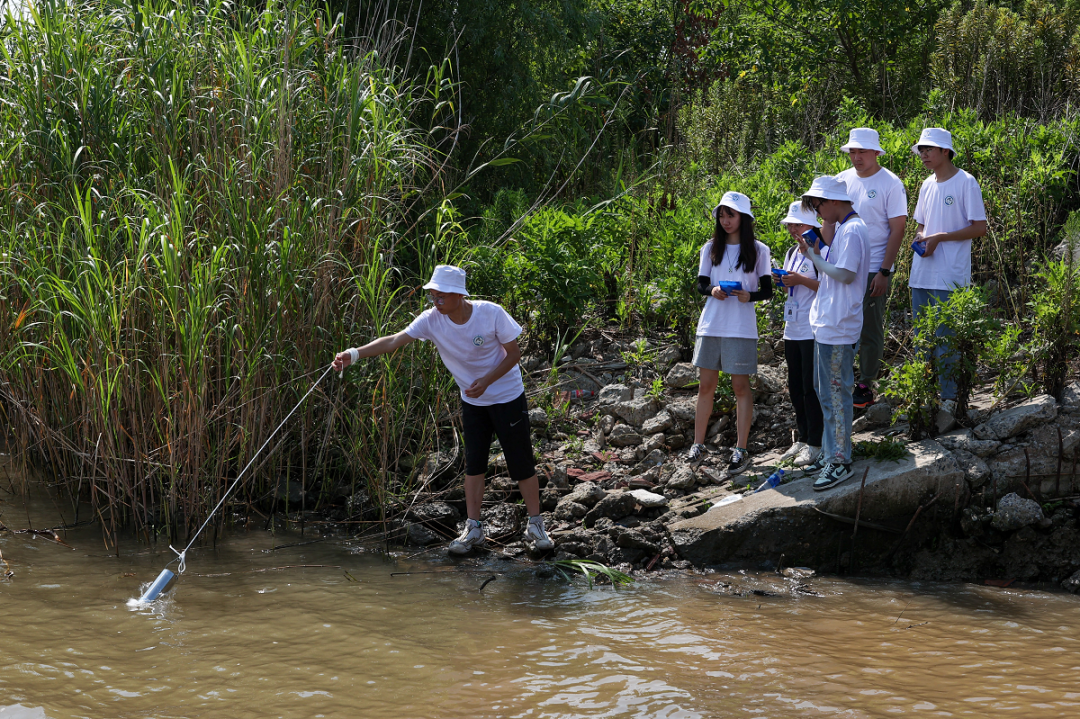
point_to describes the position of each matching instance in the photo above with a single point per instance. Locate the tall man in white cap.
(477, 342)
(836, 318)
(950, 213)
(879, 197)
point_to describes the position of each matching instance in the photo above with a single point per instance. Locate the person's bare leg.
(744, 407)
(474, 495)
(530, 492)
(707, 380)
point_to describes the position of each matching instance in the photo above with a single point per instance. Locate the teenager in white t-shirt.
(800, 283)
(950, 213)
(477, 342)
(881, 201)
(727, 329)
(836, 318)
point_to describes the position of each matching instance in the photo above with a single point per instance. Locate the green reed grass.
(199, 204)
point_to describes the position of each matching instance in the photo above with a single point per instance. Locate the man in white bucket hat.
(836, 318)
(950, 213)
(477, 342)
(879, 197)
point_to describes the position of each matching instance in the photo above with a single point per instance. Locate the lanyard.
(848, 217)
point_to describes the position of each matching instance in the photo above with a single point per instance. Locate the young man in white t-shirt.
(836, 318)
(477, 342)
(950, 213)
(879, 197)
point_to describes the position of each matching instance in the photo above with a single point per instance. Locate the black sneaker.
(740, 460)
(696, 454)
(832, 475)
(862, 396)
(814, 468)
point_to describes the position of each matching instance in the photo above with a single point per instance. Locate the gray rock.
(653, 442)
(568, 511)
(667, 357)
(861, 424)
(683, 478)
(538, 417)
(607, 424)
(1072, 584)
(503, 520)
(1014, 512)
(653, 459)
(636, 411)
(975, 470)
(1070, 397)
(648, 499)
(1022, 417)
(587, 493)
(718, 426)
(622, 435)
(879, 414)
(683, 411)
(420, 535)
(613, 506)
(681, 375)
(769, 380)
(615, 393)
(765, 353)
(945, 419)
(963, 440)
(660, 423)
(435, 513)
(632, 539)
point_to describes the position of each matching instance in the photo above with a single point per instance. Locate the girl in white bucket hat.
(836, 318)
(477, 342)
(733, 273)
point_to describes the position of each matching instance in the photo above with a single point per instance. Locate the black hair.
(747, 241)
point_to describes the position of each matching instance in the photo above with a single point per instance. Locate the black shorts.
(510, 423)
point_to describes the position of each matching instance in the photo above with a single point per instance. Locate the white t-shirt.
(877, 199)
(473, 349)
(731, 318)
(946, 207)
(799, 328)
(837, 313)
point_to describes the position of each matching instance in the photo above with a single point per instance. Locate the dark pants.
(800, 379)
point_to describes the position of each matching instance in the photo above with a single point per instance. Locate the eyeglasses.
(923, 149)
(815, 205)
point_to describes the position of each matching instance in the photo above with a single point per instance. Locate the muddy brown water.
(240, 636)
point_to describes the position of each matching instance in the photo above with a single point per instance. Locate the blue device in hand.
(919, 246)
(729, 287)
(814, 239)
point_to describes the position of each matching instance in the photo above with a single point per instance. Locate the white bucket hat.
(863, 138)
(796, 215)
(448, 278)
(735, 201)
(934, 137)
(828, 187)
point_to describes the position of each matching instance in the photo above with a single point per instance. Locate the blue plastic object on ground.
(728, 286)
(157, 587)
(774, 480)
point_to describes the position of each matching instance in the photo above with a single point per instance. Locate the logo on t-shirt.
(949, 200)
(478, 341)
(871, 194)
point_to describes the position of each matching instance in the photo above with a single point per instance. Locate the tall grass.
(199, 204)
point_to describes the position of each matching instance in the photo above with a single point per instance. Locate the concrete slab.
(784, 520)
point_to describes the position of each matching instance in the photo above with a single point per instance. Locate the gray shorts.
(732, 355)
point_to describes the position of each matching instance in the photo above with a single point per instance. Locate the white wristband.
(354, 355)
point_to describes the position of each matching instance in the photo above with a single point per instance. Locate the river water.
(246, 632)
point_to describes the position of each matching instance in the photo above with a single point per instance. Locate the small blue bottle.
(774, 480)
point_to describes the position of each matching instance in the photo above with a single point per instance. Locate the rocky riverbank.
(999, 499)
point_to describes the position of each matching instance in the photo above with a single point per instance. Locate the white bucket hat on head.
(448, 278)
(934, 137)
(828, 187)
(863, 138)
(735, 201)
(796, 215)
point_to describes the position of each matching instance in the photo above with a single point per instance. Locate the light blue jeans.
(834, 379)
(943, 359)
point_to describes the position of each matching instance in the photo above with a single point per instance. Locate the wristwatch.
(884, 272)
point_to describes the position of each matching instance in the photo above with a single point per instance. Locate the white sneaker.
(806, 455)
(793, 451)
(696, 453)
(472, 536)
(537, 535)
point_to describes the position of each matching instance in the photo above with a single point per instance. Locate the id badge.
(790, 308)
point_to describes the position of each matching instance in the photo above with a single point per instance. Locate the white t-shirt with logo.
(877, 199)
(946, 207)
(837, 313)
(473, 349)
(799, 327)
(731, 318)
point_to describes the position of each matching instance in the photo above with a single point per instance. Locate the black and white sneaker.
(814, 468)
(696, 453)
(740, 460)
(832, 475)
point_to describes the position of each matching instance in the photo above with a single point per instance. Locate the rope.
(181, 556)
